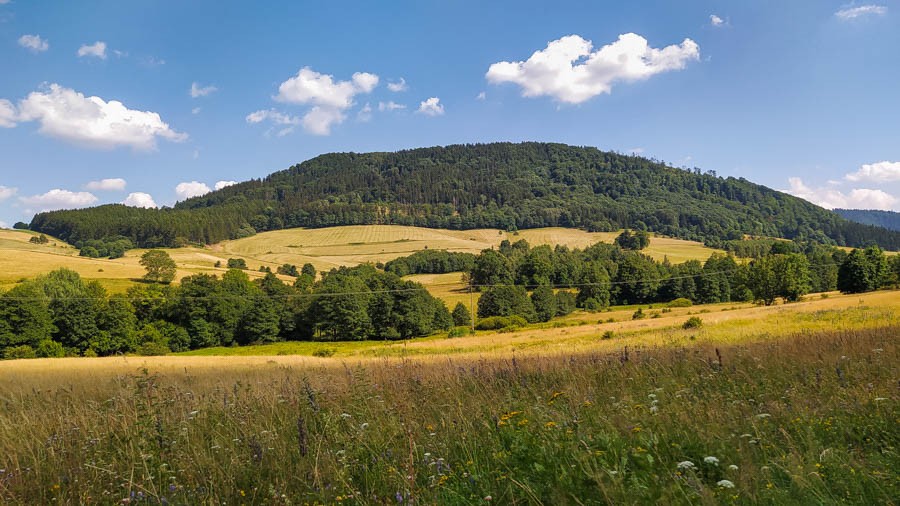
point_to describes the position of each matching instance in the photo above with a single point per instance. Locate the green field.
(792, 404)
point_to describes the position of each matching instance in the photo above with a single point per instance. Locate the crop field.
(324, 248)
(787, 404)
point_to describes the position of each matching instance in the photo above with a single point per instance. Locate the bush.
(607, 335)
(638, 315)
(459, 331)
(680, 302)
(237, 263)
(50, 349)
(14, 352)
(693, 322)
(324, 352)
(152, 349)
(501, 322)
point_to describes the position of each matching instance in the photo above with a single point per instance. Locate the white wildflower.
(346, 415)
(364, 426)
(654, 409)
(725, 484)
(686, 464)
(711, 460)
(733, 467)
(763, 415)
(880, 399)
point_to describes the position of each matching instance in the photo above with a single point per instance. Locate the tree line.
(501, 185)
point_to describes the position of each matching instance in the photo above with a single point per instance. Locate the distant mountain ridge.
(886, 219)
(499, 185)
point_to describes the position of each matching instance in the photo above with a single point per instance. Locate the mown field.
(741, 411)
(324, 248)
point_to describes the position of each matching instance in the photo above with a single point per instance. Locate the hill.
(886, 219)
(502, 185)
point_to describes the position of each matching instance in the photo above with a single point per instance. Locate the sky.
(149, 102)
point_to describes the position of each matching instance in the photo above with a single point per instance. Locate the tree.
(633, 241)
(237, 263)
(25, 316)
(792, 272)
(544, 301)
(862, 271)
(160, 266)
(491, 268)
(309, 270)
(594, 291)
(461, 315)
(762, 281)
(288, 270)
(506, 300)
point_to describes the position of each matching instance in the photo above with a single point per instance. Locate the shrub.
(693, 322)
(459, 331)
(14, 352)
(50, 349)
(607, 335)
(152, 349)
(501, 322)
(638, 315)
(324, 352)
(680, 302)
(237, 263)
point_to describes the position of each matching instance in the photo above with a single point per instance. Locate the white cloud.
(7, 114)
(880, 172)
(191, 189)
(571, 72)
(152, 61)
(97, 49)
(390, 105)
(830, 198)
(7, 192)
(224, 184)
(114, 184)
(139, 199)
(34, 43)
(481, 96)
(365, 114)
(329, 99)
(201, 91)
(716, 20)
(195, 110)
(398, 86)
(636, 151)
(59, 199)
(91, 121)
(849, 13)
(431, 107)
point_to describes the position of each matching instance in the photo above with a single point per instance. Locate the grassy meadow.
(809, 418)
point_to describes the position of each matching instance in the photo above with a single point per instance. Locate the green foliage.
(16, 352)
(694, 322)
(886, 219)
(565, 302)
(500, 185)
(159, 265)
(863, 271)
(461, 315)
(112, 247)
(39, 239)
(638, 315)
(459, 331)
(544, 302)
(680, 302)
(506, 300)
(288, 270)
(431, 262)
(49, 349)
(500, 323)
(633, 241)
(237, 263)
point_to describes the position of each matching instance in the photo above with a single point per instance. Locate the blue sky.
(147, 102)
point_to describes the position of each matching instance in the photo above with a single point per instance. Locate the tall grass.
(807, 420)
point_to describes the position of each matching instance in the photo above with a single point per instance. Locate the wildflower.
(651, 396)
(725, 484)
(549, 425)
(346, 416)
(686, 464)
(654, 409)
(732, 467)
(879, 399)
(763, 415)
(636, 430)
(711, 460)
(746, 435)
(488, 498)
(364, 426)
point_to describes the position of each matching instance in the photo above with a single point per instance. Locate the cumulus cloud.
(59, 199)
(830, 198)
(390, 105)
(881, 172)
(34, 43)
(93, 122)
(716, 20)
(570, 71)
(224, 184)
(191, 189)
(201, 91)
(7, 192)
(140, 199)
(97, 49)
(398, 86)
(286, 121)
(330, 99)
(861, 11)
(7, 114)
(431, 107)
(113, 184)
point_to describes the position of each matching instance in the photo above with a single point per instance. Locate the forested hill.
(887, 219)
(500, 185)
